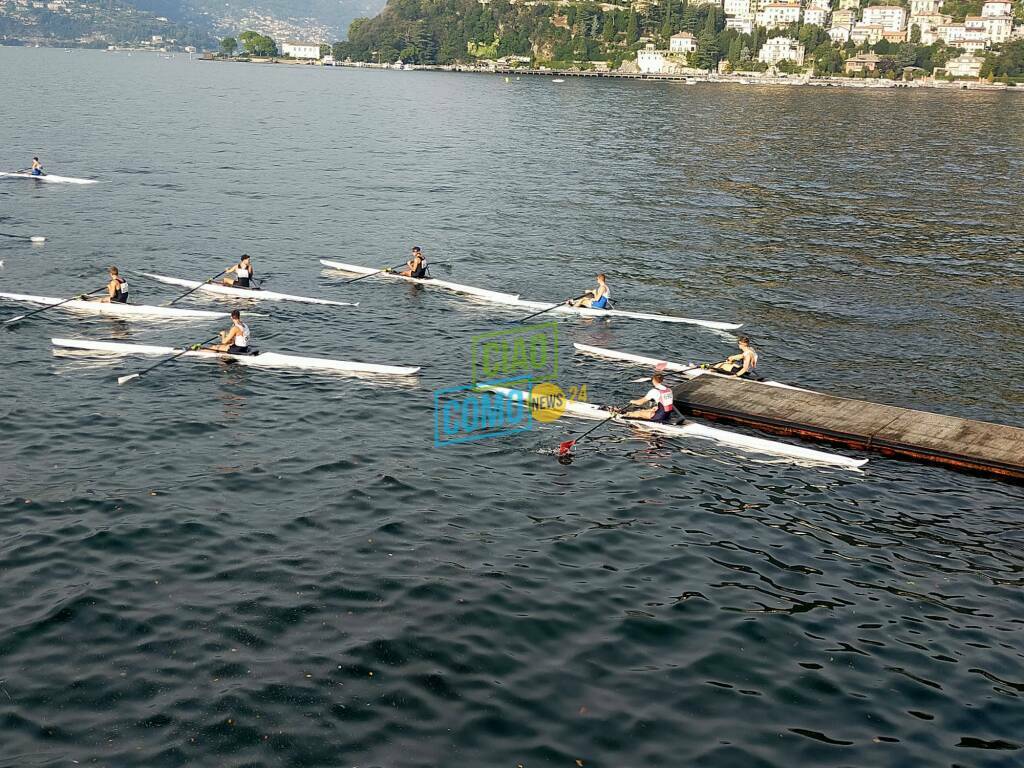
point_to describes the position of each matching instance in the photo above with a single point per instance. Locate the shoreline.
(754, 79)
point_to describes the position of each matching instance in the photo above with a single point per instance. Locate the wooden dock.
(964, 444)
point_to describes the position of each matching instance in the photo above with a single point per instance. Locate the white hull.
(721, 436)
(689, 370)
(469, 290)
(263, 360)
(248, 293)
(50, 178)
(117, 310)
(565, 309)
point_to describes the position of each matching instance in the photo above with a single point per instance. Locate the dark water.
(231, 567)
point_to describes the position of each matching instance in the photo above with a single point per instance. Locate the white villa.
(299, 50)
(650, 60)
(817, 15)
(775, 15)
(892, 18)
(682, 42)
(965, 65)
(781, 49)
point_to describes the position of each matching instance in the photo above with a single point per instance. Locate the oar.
(553, 306)
(193, 290)
(51, 306)
(363, 277)
(565, 449)
(33, 238)
(660, 367)
(391, 269)
(188, 348)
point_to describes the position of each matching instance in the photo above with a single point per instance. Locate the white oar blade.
(37, 239)
(126, 379)
(14, 319)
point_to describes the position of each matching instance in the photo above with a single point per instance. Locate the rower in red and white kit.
(662, 411)
(235, 340)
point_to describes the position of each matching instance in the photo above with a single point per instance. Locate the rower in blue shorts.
(598, 298)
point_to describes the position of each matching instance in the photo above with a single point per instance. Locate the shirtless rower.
(235, 340)
(243, 273)
(662, 411)
(598, 298)
(416, 266)
(742, 364)
(117, 289)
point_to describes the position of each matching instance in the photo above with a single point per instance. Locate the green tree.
(708, 52)
(915, 33)
(632, 30)
(608, 33)
(228, 46)
(256, 44)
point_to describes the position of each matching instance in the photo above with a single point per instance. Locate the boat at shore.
(689, 370)
(116, 309)
(691, 429)
(565, 309)
(469, 290)
(257, 360)
(247, 293)
(49, 177)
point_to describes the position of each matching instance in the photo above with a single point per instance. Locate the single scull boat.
(248, 293)
(49, 177)
(565, 309)
(689, 370)
(469, 290)
(118, 309)
(261, 360)
(691, 429)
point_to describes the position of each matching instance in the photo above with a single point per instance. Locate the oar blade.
(565, 448)
(129, 377)
(14, 319)
(37, 239)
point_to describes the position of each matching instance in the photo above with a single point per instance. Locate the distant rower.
(37, 167)
(235, 340)
(243, 273)
(416, 266)
(598, 298)
(742, 364)
(662, 410)
(117, 289)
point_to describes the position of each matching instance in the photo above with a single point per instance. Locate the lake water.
(226, 566)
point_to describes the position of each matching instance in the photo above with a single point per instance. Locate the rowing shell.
(249, 293)
(262, 360)
(693, 430)
(690, 370)
(469, 290)
(565, 309)
(48, 178)
(120, 310)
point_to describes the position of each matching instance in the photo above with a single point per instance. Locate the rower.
(117, 289)
(742, 364)
(597, 298)
(661, 396)
(37, 167)
(243, 273)
(416, 266)
(235, 340)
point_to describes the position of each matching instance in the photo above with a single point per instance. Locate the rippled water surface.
(226, 566)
